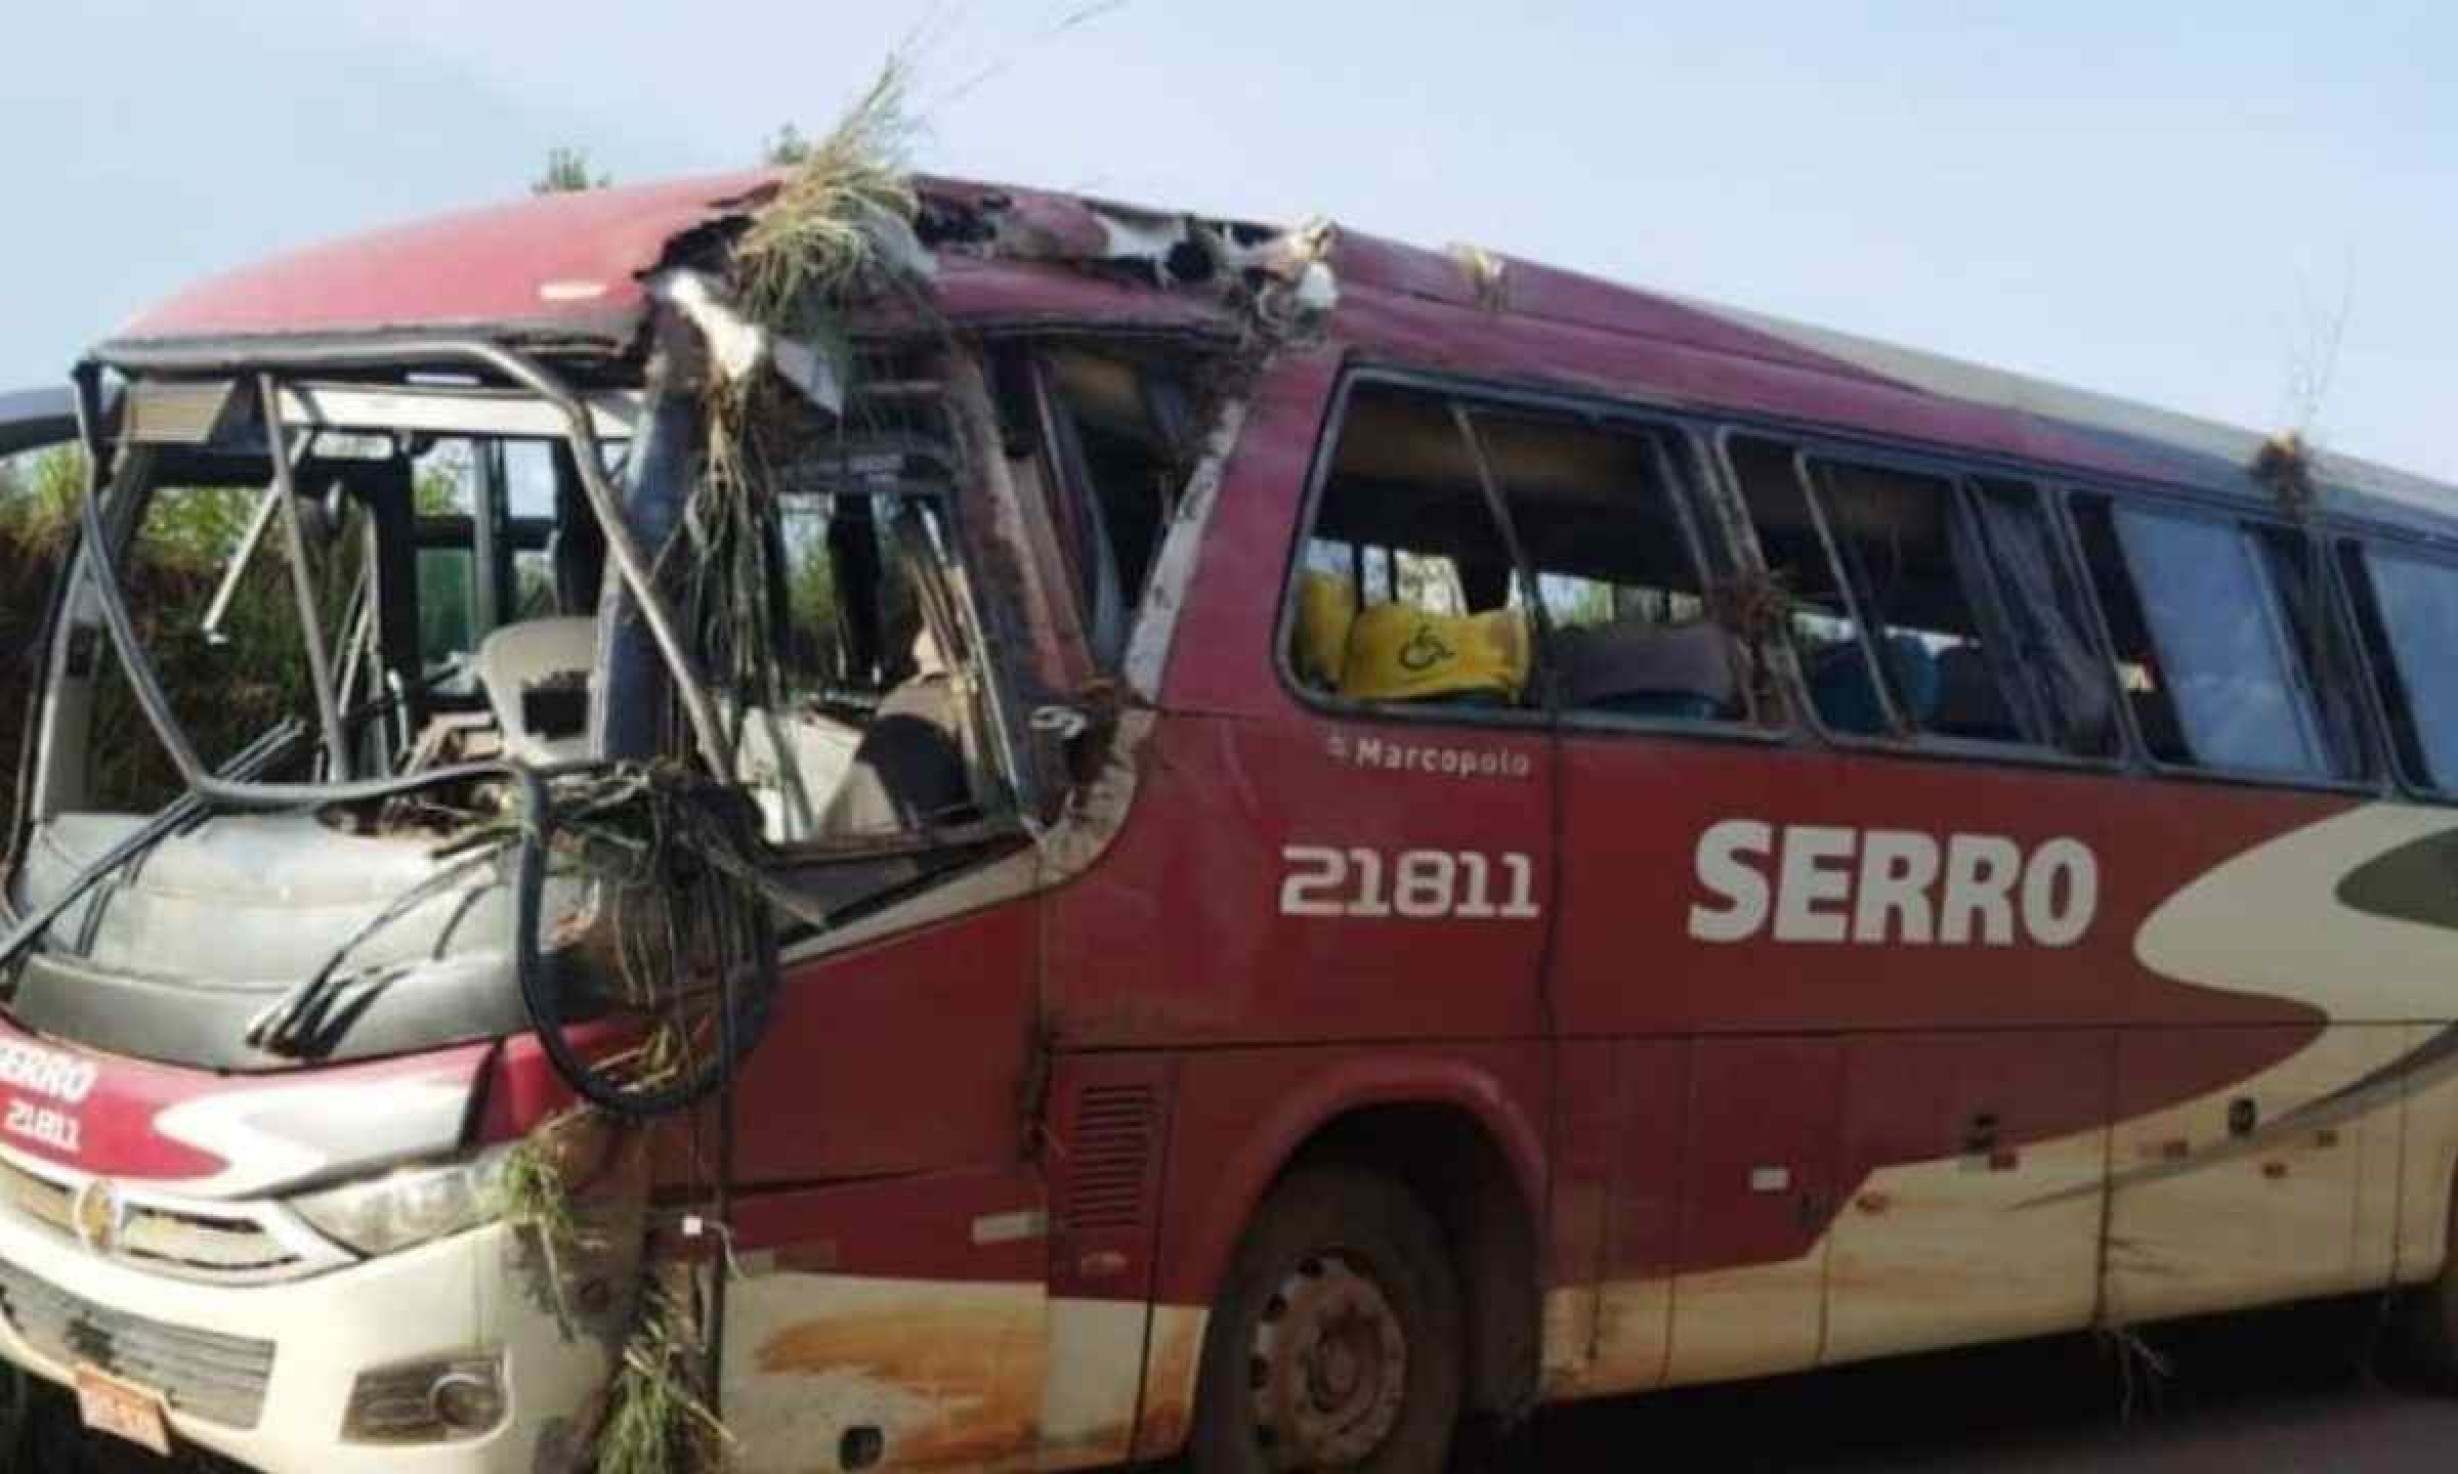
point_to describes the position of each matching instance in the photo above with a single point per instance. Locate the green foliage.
(657, 1422)
(826, 231)
(226, 692)
(37, 517)
(38, 501)
(817, 652)
(567, 172)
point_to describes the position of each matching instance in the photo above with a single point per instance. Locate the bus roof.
(566, 271)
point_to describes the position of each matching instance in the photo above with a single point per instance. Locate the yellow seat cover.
(1397, 652)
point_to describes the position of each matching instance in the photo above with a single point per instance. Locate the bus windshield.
(365, 611)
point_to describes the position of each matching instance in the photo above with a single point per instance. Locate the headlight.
(406, 1207)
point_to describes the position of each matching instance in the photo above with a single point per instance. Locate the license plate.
(123, 1410)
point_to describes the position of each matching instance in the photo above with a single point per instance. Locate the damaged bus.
(1112, 836)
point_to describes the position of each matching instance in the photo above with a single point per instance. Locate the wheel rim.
(1330, 1366)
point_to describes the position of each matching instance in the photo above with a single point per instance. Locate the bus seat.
(1398, 652)
(1839, 685)
(536, 678)
(1640, 669)
(907, 771)
(1969, 703)
(1326, 607)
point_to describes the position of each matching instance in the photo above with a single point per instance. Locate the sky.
(2244, 210)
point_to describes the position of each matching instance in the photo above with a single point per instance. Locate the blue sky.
(2167, 202)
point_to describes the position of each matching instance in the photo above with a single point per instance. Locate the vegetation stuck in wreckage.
(838, 229)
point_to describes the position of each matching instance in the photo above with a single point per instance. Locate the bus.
(1153, 837)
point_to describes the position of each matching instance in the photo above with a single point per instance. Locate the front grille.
(211, 1376)
(200, 1242)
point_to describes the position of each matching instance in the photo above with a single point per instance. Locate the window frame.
(2239, 516)
(1809, 446)
(2381, 667)
(1472, 394)
(1723, 540)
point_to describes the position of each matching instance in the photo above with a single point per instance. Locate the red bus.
(1289, 846)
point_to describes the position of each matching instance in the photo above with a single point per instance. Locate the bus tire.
(1336, 1339)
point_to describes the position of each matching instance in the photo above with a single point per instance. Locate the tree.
(785, 148)
(567, 172)
(38, 500)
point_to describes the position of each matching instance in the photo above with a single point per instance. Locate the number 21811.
(1417, 885)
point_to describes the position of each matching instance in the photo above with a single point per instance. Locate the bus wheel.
(1335, 1340)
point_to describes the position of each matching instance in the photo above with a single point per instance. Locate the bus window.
(1903, 543)
(1822, 622)
(1405, 590)
(1600, 515)
(2047, 621)
(2408, 608)
(2205, 652)
(1952, 593)
(2321, 641)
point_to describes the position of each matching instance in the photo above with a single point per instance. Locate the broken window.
(208, 581)
(1411, 584)
(866, 713)
(1819, 616)
(1405, 590)
(1926, 603)
(2212, 659)
(1602, 514)
(1118, 427)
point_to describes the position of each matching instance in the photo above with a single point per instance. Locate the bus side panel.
(1105, 1157)
(1264, 889)
(852, 1078)
(2428, 1167)
(910, 1310)
(1633, 1338)
(1978, 1209)
(2217, 1202)
(1758, 1182)
(1586, 1124)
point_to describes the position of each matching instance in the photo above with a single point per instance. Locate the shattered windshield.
(428, 594)
(394, 633)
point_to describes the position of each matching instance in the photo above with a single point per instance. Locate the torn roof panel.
(568, 267)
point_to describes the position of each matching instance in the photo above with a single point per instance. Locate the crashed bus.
(1135, 836)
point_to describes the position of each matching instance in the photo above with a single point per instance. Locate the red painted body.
(1630, 1078)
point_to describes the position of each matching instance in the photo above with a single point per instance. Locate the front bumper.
(478, 1290)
